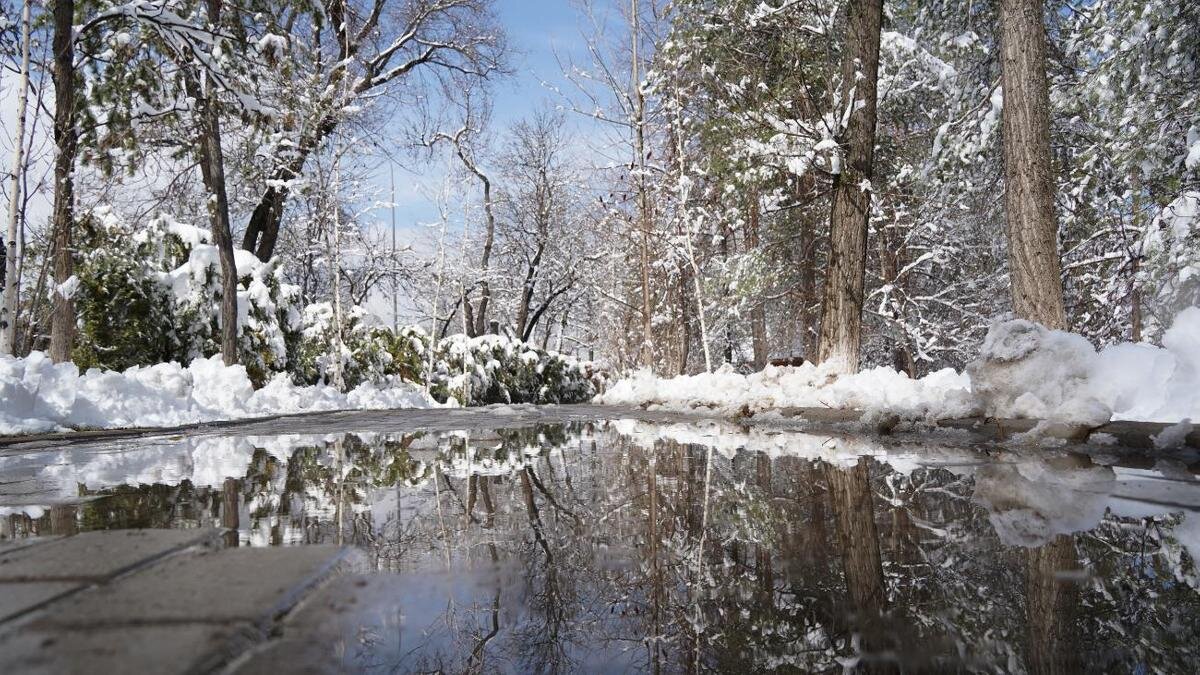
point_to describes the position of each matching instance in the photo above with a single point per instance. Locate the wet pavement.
(585, 539)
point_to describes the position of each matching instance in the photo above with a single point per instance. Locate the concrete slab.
(17, 597)
(351, 624)
(95, 556)
(9, 545)
(252, 585)
(163, 650)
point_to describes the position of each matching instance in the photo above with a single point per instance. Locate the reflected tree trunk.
(851, 499)
(62, 520)
(1051, 601)
(229, 510)
(850, 495)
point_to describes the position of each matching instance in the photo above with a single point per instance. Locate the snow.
(944, 393)
(1173, 436)
(37, 395)
(1027, 371)
(1024, 370)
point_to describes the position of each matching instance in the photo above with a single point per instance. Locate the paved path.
(169, 601)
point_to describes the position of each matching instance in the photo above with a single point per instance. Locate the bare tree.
(841, 313)
(443, 36)
(462, 140)
(1035, 269)
(538, 206)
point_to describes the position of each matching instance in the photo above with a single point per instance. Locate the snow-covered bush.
(501, 369)
(370, 353)
(152, 294)
(126, 314)
(1172, 261)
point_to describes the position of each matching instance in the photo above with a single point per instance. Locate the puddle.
(618, 546)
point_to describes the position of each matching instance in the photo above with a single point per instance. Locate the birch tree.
(11, 282)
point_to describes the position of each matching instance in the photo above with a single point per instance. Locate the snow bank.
(944, 393)
(1024, 370)
(37, 395)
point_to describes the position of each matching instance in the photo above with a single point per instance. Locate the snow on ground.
(37, 395)
(944, 393)
(1024, 370)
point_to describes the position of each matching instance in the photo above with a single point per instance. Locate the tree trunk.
(758, 313)
(808, 287)
(212, 170)
(646, 352)
(10, 281)
(841, 310)
(1035, 270)
(485, 288)
(66, 139)
(1135, 290)
(262, 232)
(851, 497)
(1051, 602)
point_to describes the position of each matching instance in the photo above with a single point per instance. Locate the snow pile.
(37, 395)
(1024, 371)
(944, 393)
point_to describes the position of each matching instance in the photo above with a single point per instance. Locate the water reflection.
(628, 546)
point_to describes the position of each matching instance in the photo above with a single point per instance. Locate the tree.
(66, 138)
(536, 239)
(442, 36)
(464, 148)
(1035, 269)
(841, 311)
(200, 87)
(10, 283)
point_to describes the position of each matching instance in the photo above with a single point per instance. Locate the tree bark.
(212, 170)
(758, 313)
(8, 308)
(1035, 269)
(66, 139)
(646, 352)
(851, 497)
(841, 308)
(1051, 603)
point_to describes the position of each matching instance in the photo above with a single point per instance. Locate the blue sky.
(537, 29)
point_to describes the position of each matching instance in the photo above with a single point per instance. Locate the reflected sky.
(628, 546)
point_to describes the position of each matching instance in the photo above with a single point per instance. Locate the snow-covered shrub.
(500, 369)
(409, 349)
(366, 354)
(125, 312)
(1171, 269)
(152, 293)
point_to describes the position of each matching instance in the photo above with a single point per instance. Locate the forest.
(704, 187)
